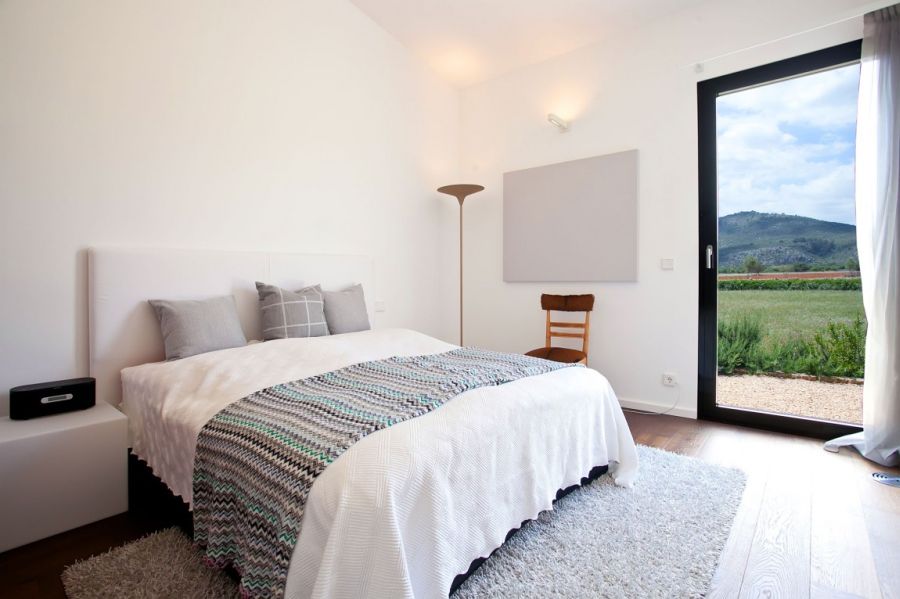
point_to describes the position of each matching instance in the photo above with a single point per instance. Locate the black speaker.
(43, 399)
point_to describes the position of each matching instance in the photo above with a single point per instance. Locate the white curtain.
(877, 227)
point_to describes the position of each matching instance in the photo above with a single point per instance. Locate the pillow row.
(191, 327)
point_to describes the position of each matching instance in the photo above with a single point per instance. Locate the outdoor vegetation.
(755, 242)
(847, 284)
(791, 329)
(790, 297)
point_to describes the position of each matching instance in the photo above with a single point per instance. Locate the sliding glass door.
(782, 328)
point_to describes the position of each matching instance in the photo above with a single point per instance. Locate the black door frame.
(707, 92)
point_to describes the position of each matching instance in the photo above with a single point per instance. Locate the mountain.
(784, 240)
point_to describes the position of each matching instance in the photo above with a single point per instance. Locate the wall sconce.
(561, 123)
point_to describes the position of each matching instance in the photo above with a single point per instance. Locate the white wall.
(285, 126)
(302, 126)
(637, 91)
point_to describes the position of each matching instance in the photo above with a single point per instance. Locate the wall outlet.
(380, 306)
(669, 379)
(667, 263)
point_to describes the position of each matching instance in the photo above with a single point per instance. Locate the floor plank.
(778, 564)
(884, 531)
(841, 561)
(733, 563)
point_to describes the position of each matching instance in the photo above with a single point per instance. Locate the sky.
(788, 147)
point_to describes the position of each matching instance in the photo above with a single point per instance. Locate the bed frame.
(124, 331)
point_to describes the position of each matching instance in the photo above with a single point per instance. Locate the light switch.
(667, 264)
(380, 306)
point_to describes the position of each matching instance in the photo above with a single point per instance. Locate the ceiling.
(468, 41)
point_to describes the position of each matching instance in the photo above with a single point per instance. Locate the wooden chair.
(566, 303)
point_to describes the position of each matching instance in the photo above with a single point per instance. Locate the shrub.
(837, 350)
(795, 354)
(739, 343)
(753, 264)
(847, 284)
(842, 347)
(819, 247)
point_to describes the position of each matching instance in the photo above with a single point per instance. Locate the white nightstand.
(60, 472)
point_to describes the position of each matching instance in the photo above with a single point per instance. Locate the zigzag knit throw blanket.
(257, 459)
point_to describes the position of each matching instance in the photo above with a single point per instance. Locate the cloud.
(827, 97)
(788, 146)
(827, 197)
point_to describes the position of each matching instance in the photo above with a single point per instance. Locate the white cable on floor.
(651, 413)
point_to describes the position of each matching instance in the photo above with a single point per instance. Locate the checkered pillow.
(291, 313)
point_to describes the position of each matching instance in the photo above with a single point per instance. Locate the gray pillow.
(191, 327)
(287, 314)
(345, 311)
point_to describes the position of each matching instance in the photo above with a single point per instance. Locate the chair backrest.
(569, 303)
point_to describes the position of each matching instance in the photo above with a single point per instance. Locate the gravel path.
(814, 399)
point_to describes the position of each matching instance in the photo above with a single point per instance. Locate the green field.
(786, 314)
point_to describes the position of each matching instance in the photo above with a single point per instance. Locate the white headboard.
(123, 328)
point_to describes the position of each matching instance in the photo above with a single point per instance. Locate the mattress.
(406, 509)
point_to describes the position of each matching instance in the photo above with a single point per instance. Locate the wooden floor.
(811, 523)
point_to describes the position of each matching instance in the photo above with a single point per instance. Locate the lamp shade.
(461, 190)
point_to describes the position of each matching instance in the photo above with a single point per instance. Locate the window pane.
(790, 311)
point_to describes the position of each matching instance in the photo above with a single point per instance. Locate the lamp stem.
(460, 272)
(460, 191)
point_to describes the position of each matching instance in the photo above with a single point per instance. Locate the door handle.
(709, 257)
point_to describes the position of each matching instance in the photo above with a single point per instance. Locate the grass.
(785, 315)
(845, 284)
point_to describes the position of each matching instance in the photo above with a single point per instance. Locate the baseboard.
(646, 406)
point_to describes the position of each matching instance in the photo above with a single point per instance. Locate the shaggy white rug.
(660, 539)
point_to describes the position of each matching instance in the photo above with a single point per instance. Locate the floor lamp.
(460, 191)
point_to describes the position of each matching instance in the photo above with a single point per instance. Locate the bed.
(406, 509)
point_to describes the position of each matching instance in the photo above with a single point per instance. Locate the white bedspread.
(406, 509)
